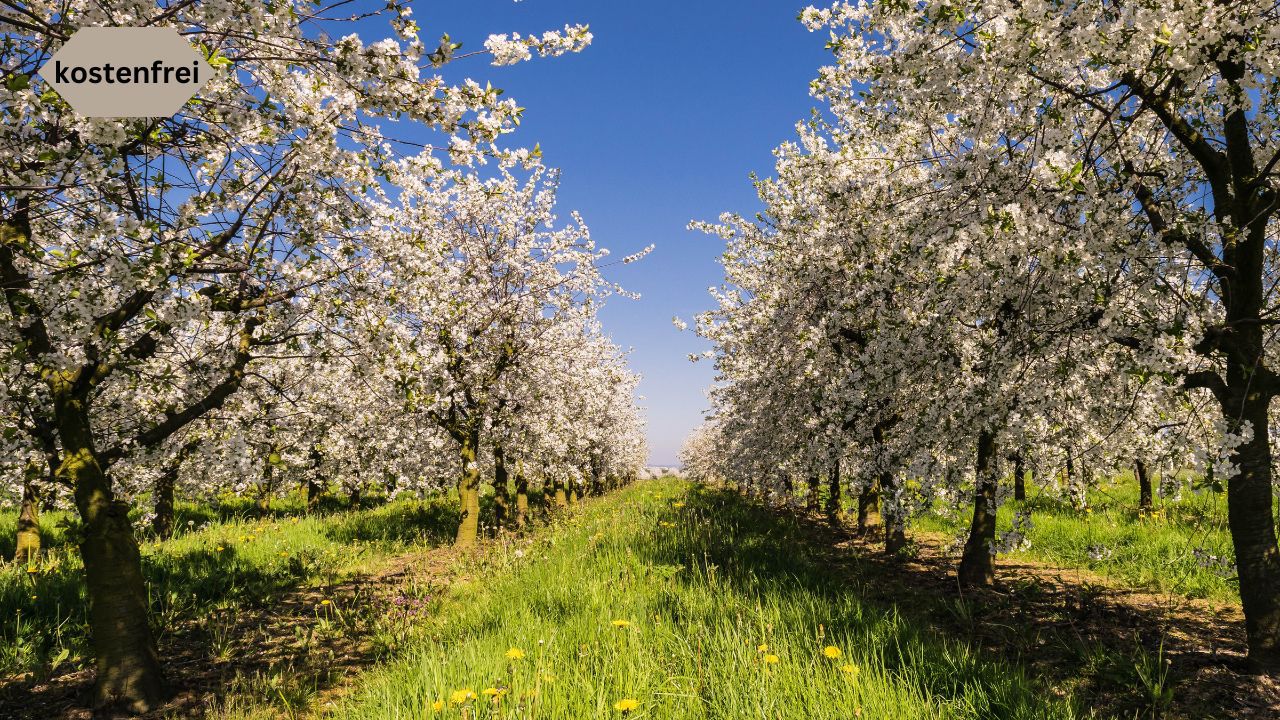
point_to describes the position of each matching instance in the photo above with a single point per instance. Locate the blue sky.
(659, 122)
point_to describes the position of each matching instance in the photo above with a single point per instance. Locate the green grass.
(1153, 552)
(702, 578)
(228, 557)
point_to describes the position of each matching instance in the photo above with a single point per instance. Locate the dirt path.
(303, 648)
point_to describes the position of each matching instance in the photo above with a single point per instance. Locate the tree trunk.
(1144, 484)
(573, 494)
(1019, 476)
(469, 492)
(811, 499)
(28, 542)
(868, 500)
(162, 523)
(833, 491)
(559, 495)
(128, 670)
(501, 489)
(895, 530)
(313, 488)
(1252, 524)
(522, 500)
(268, 477)
(977, 565)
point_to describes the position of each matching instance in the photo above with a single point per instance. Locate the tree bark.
(868, 500)
(814, 490)
(469, 491)
(1144, 484)
(313, 488)
(27, 549)
(162, 523)
(1252, 524)
(833, 491)
(128, 669)
(1019, 476)
(977, 565)
(522, 500)
(559, 496)
(501, 489)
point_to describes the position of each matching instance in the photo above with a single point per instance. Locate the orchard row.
(1016, 237)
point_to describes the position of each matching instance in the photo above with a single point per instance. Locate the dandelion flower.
(515, 654)
(621, 623)
(626, 705)
(326, 601)
(458, 697)
(494, 693)
(762, 647)
(438, 705)
(770, 659)
(220, 548)
(849, 669)
(831, 651)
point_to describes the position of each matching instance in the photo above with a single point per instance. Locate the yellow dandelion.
(284, 554)
(438, 705)
(762, 647)
(626, 705)
(219, 548)
(831, 651)
(770, 659)
(849, 669)
(491, 692)
(458, 697)
(515, 654)
(32, 570)
(621, 623)
(326, 601)
(677, 505)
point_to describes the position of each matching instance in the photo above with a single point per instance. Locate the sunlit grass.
(219, 560)
(670, 600)
(1154, 551)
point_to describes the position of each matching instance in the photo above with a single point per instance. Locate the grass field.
(218, 561)
(1154, 551)
(667, 599)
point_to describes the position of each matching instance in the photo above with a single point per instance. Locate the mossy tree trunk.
(814, 487)
(868, 501)
(977, 565)
(27, 549)
(469, 490)
(558, 493)
(128, 669)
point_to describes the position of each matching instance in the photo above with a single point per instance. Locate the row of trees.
(1017, 236)
(267, 289)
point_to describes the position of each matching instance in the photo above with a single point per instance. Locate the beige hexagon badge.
(125, 72)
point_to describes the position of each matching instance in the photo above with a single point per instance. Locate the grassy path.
(673, 601)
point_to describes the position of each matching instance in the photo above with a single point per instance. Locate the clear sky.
(659, 122)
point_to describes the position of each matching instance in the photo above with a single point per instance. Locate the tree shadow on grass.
(1031, 640)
